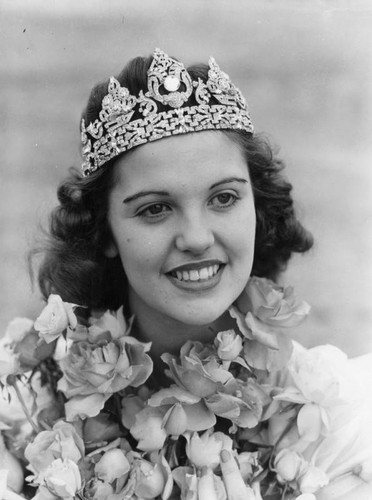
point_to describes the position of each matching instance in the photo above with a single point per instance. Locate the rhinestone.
(172, 83)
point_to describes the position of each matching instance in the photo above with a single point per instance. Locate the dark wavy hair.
(74, 263)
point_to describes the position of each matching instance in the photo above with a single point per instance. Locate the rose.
(151, 479)
(183, 411)
(259, 311)
(95, 489)
(320, 381)
(320, 374)
(272, 304)
(112, 465)
(197, 369)
(171, 411)
(229, 345)
(240, 402)
(288, 464)
(92, 372)
(62, 478)
(105, 367)
(265, 347)
(55, 318)
(205, 450)
(62, 442)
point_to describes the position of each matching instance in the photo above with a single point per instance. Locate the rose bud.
(112, 465)
(205, 450)
(55, 318)
(287, 465)
(229, 345)
(62, 478)
(151, 480)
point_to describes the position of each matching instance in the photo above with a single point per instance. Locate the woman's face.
(182, 218)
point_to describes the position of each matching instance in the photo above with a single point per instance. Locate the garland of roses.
(104, 431)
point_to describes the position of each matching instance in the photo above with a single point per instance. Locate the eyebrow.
(229, 179)
(141, 194)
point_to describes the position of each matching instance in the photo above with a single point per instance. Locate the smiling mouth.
(196, 275)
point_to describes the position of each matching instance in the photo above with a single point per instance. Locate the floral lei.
(80, 415)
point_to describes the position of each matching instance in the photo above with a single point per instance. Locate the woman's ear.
(111, 251)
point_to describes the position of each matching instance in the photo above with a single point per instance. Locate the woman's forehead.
(203, 156)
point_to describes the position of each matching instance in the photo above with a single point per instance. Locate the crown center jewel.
(172, 83)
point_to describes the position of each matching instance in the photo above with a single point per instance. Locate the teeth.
(203, 273)
(197, 275)
(194, 275)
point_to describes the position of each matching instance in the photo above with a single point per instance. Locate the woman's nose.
(194, 235)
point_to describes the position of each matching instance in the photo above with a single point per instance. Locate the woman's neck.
(167, 334)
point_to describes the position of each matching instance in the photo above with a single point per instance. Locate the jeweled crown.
(126, 121)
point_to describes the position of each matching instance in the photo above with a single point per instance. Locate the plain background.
(305, 68)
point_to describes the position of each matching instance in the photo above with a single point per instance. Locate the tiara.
(126, 121)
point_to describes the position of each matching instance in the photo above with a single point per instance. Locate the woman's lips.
(201, 278)
(202, 274)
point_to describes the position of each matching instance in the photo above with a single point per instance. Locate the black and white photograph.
(186, 250)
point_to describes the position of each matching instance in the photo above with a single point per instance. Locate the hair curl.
(75, 265)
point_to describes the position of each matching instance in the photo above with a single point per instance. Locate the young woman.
(182, 219)
(172, 224)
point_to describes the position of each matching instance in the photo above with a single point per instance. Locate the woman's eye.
(154, 210)
(224, 200)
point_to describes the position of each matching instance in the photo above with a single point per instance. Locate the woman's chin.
(202, 318)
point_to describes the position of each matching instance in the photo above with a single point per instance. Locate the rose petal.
(148, 429)
(84, 406)
(310, 422)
